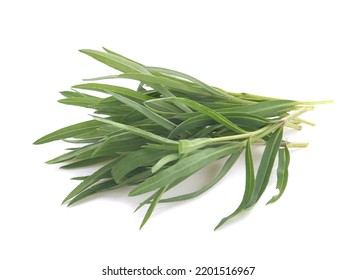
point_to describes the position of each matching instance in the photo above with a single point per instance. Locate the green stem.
(296, 145)
(251, 96)
(315, 102)
(260, 133)
(297, 113)
(244, 96)
(298, 121)
(293, 125)
(187, 146)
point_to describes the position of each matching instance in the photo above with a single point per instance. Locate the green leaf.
(116, 89)
(165, 160)
(118, 145)
(282, 173)
(163, 81)
(76, 94)
(249, 121)
(138, 131)
(186, 166)
(188, 146)
(265, 109)
(79, 178)
(95, 133)
(156, 83)
(266, 165)
(101, 187)
(206, 131)
(226, 167)
(110, 185)
(69, 131)
(146, 112)
(122, 57)
(70, 93)
(83, 141)
(202, 85)
(95, 177)
(75, 154)
(80, 102)
(152, 206)
(249, 185)
(143, 157)
(117, 62)
(204, 110)
(88, 162)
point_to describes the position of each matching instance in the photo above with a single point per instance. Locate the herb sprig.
(172, 126)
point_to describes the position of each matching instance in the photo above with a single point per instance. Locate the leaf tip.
(84, 50)
(37, 142)
(219, 225)
(133, 193)
(269, 202)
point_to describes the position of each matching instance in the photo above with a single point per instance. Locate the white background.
(303, 50)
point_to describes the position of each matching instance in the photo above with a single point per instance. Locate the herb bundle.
(170, 127)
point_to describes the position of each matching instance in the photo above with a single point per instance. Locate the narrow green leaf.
(162, 162)
(101, 187)
(117, 62)
(156, 83)
(249, 185)
(88, 162)
(83, 141)
(202, 85)
(122, 57)
(187, 165)
(116, 89)
(206, 131)
(282, 173)
(106, 77)
(164, 81)
(170, 186)
(76, 153)
(95, 133)
(69, 131)
(226, 167)
(80, 102)
(76, 94)
(265, 109)
(138, 131)
(143, 157)
(146, 112)
(152, 206)
(141, 88)
(187, 146)
(266, 165)
(204, 110)
(111, 185)
(249, 121)
(161, 147)
(69, 93)
(95, 177)
(79, 178)
(118, 145)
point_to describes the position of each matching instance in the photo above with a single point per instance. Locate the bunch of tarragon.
(170, 127)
